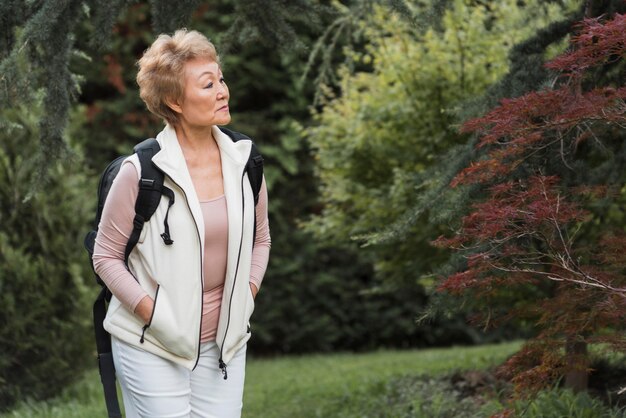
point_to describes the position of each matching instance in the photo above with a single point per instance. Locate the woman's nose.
(222, 93)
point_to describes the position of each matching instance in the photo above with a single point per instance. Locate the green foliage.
(45, 338)
(43, 37)
(414, 396)
(339, 308)
(557, 403)
(393, 119)
(82, 399)
(115, 117)
(273, 23)
(169, 15)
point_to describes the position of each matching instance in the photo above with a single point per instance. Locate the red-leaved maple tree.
(535, 228)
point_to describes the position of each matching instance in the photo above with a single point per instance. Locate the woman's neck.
(195, 139)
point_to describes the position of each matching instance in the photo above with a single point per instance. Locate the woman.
(179, 314)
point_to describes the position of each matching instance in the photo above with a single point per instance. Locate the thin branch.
(559, 278)
(562, 141)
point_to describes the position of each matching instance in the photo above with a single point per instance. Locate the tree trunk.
(577, 357)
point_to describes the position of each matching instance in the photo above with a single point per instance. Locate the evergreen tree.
(46, 338)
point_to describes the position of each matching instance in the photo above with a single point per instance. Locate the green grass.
(344, 385)
(377, 384)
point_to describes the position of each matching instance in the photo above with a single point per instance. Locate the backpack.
(151, 190)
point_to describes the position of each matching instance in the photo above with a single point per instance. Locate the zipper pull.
(223, 367)
(143, 331)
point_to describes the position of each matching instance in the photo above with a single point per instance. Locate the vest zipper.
(145, 327)
(222, 365)
(201, 269)
(201, 275)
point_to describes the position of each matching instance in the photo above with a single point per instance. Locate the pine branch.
(527, 70)
(345, 29)
(59, 89)
(40, 26)
(401, 8)
(167, 16)
(105, 14)
(271, 22)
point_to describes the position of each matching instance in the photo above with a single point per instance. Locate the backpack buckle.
(257, 160)
(138, 222)
(146, 184)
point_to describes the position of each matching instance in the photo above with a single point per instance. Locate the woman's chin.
(224, 120)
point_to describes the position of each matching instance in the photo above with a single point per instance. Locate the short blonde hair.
(161, 69)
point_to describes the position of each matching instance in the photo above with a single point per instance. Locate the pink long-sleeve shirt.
(116, 226)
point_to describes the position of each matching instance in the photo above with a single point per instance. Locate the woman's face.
(205, 98)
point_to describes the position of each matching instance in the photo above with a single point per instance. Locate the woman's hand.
(253, 289)
(144, 309)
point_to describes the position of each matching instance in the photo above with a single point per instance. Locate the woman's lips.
(223, 108)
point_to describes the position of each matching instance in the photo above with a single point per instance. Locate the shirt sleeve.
(262, 241)
(114, 230)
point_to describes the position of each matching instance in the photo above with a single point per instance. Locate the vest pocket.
(154, 305)
(249, 309)
(166, 331)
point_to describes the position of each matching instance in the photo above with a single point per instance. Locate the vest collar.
(171, 160)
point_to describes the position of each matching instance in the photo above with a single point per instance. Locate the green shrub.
(559, 403)
(341, 308)
(45, 337)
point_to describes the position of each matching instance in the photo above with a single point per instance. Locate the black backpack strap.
(254, 167)
(151, 189)
(105, 355)
(255, 172)
(255, 175)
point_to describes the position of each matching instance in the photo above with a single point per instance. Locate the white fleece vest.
(172, 274)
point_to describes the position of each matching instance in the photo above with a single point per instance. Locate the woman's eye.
(222, 80)
(208, 86)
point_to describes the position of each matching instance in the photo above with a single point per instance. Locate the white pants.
(155, 387)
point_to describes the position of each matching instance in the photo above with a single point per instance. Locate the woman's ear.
(174, 105)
